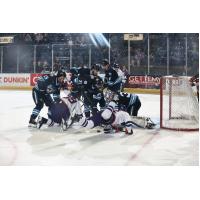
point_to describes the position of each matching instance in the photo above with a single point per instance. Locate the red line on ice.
(147, 142)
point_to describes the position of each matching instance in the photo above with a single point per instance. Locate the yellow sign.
(6, 40)
(133, 36)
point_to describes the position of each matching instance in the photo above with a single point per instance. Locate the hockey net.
(179, 108)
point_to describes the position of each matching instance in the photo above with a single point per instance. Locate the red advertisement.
(143, 81)
(34, 78)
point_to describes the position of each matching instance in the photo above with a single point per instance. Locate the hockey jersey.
(112, 80)
(49, 85)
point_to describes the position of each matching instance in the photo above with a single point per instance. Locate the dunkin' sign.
(15, 80)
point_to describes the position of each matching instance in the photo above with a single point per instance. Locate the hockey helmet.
(96, 67)
(105, 62)
(61, 73)
(110, 95)
(115, 65)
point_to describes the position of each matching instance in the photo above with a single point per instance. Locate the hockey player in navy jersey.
(83, 70)
(80, 80)
(111, 81)
(46, 91)
(129, 103)
(97, 89)
(122, 78)
(88, 87)
(82, 89)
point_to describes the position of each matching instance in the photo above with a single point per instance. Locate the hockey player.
(122, 78)
(83, 70)
(129, 103)
(78, 80)
(46, 91)
(63, 112)
(111, 81)
(110, 119)
(83, 87)
(116, 120)
(97, 89)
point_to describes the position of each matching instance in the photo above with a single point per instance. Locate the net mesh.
(179, 107)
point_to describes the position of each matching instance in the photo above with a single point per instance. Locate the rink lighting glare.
(105, 40)
(99, 38)
(93, 40)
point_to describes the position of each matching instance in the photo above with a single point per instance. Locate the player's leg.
(102, 103)
(94, 107)
(91, 122)
(108, 117)
(134, 108)
(123, 122)
(38, 100)
(87, 106)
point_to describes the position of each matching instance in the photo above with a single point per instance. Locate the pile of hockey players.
(91, 101)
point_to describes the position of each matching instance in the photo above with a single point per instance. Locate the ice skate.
(32, 123)
(41, 121)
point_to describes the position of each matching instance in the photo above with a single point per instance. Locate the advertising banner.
(34, 78)
(19, 80)
(148, 82)
(6, 40)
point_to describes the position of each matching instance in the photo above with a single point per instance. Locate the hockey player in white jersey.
(110, 119)
(116, 120)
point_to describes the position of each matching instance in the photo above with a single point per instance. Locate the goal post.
(179, 108)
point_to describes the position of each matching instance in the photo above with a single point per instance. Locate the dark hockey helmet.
(105, 62)
(96, 67)
(60, 73)
(115, 65)
(99, 83)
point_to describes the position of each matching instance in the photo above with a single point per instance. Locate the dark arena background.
(152, 55)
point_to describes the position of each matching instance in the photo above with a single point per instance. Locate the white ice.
(20, 145)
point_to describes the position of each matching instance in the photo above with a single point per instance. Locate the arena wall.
(135, 84)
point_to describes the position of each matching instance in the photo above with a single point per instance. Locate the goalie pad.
(143, 122)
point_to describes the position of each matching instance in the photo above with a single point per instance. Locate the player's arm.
(42, 84)
(116, 79)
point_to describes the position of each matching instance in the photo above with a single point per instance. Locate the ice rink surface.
(20, 145)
